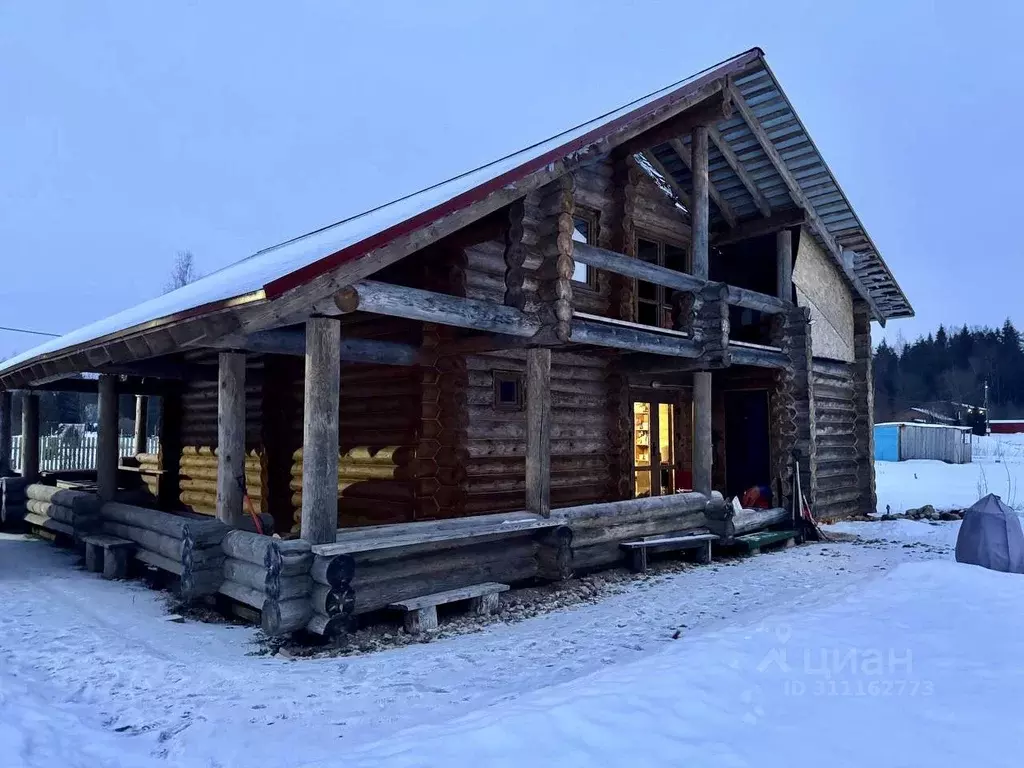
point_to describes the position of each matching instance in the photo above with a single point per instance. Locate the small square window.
(508, 391)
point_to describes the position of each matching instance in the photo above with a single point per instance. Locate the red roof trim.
(305, 274)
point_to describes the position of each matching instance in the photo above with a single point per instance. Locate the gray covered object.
(991, 536)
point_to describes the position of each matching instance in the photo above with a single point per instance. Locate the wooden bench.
(421, 612)
(638, 549)
(108, 554)
(755, 542)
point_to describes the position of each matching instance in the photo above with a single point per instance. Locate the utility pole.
(987, 429)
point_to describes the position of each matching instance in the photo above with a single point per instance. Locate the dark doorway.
(747, 444)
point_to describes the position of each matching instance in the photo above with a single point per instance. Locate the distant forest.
(952, 367)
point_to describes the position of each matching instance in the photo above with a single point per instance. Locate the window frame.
(505, 377)
(663, 301)
(592, 217)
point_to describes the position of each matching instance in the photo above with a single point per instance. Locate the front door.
(747, 441)
(654, 459)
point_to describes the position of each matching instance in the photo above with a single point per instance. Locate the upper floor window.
(584, 231)
(654, 302)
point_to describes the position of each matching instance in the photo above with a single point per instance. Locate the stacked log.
(149, 472)
(598, 530)
(332, 596)
(198, 479)
(728, 523)
(12, 499)
(72, 513)
(270, 575)
(360, 465)
(414, 559)
(187, 547)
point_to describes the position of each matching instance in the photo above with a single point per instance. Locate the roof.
(269, 273)
(923, 426)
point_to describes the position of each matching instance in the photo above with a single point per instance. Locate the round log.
(175, 526)
(197, 583)
(165, 546)
(243, 594)
(329, 627)
(333, 571)
(282, 617)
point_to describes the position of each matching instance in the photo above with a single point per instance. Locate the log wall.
(582, 449)
(379, 409)
(837, 491)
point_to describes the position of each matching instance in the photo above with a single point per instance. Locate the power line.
(26, 330)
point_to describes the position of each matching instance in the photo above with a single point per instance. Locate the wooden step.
(755, 542)
(421, 612)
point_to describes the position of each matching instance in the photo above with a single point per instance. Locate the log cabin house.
(598, 330)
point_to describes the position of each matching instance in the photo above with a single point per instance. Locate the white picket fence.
(56, 454)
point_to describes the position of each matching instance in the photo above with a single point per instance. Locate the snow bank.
(883, 678)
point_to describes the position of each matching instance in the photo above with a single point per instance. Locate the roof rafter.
(723, 205)
(817, 225)
(740, 171)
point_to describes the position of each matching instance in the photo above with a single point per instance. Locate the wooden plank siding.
(837, 491)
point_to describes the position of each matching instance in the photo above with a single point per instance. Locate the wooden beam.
(723, 205)
(760, 227)
(106, 439)
(141, 424)
(538, 431)
(130, 386)
(633, 337)
(292, 341)
(795, 191)
(737, 167)
(319, 522)
(699, 213)
(231, 438)
(702, 445)
(427, 306)
(601, 258)
(6, 415)
(784, 265)
(757, 356)
(30, 435)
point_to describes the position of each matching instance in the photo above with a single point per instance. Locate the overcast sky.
(131, 130)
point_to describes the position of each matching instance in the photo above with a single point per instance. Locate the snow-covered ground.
(998, 467)
(881, 651)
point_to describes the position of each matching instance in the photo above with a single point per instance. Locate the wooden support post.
(538, 431)
(141, 423)
(6, 412)
(699, 211)
(231, 437)
(699, 266)
(30, 435)
(170, 447)
(702, 432)
(319, 523)
(784, 264)
(106, 439)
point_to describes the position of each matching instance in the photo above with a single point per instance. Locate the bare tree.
(183, 272)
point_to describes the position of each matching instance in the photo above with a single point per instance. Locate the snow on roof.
(263, 275)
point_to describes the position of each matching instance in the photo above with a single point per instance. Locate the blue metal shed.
(903, 441)
(887, 442)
